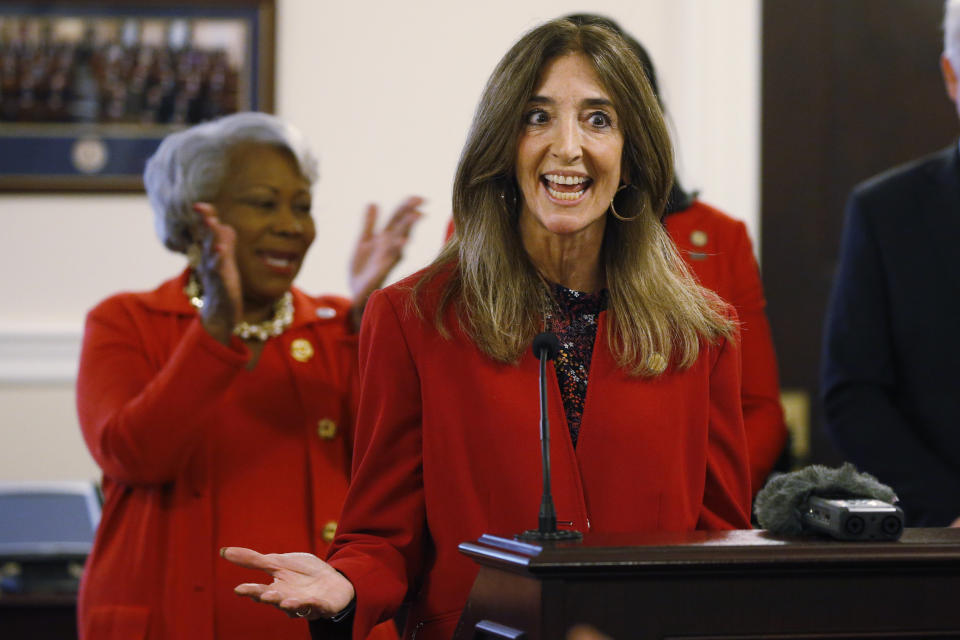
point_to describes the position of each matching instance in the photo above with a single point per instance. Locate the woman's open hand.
(377, 253)
(218, 274)
(303, 586)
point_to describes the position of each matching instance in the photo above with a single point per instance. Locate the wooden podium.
(734, 585)
(38, 617)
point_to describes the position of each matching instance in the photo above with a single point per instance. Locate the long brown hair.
(658, 313)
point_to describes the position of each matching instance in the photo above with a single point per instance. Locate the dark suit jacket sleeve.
(860, 380)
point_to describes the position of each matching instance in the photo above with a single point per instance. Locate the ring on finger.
(303, 612)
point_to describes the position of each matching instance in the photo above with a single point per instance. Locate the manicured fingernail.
(223, 552)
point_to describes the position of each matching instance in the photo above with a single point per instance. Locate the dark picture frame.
(89, 89)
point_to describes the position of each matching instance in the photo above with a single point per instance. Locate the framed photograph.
(89, 89)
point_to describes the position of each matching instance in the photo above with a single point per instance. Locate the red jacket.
(718, 250)
(447, 448)
(156, 405)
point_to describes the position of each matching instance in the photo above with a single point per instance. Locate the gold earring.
(613, 209)
(194, 255)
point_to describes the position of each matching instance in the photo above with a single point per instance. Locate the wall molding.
(39, 356)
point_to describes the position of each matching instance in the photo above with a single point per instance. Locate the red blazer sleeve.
(762, 413)
(726, 496)
(728, 267)
(141, 419)
(382, 530)
(349, 360)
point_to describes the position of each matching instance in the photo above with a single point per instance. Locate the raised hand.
(218, 274)
(303, 585)
(377, 253)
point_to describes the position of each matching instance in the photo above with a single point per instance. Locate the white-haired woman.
(220, 405)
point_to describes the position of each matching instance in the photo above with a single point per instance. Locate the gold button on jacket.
(327, 429)
(301, 350)
(329, 531)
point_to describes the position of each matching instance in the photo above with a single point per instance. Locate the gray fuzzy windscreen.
(777, 505)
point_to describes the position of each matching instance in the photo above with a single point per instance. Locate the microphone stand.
(545, 347)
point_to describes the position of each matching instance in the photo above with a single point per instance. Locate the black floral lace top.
(574, 321)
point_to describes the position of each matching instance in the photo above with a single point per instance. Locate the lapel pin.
(301, 350)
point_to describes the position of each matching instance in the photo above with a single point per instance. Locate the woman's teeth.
(552, 180)
(565, 179)
(274, 261)
(565, 195)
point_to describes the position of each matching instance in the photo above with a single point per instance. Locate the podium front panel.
(720, 586)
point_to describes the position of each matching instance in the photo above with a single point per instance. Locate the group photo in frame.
(88, 90)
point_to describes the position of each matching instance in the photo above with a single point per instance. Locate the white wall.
(385, 91)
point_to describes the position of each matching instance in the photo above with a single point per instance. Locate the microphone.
(548, 342)
(545, 347)
(841, 503)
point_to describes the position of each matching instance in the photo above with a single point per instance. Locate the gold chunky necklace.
(282, 314)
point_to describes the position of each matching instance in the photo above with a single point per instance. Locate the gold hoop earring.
(613, 209)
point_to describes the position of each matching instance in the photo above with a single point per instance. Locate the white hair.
(951, 32)
(189, 166)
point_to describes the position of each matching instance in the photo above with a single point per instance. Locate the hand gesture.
(377, 253)
(218, 274)
(303, 585)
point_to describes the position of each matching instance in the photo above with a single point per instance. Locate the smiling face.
(569, 153)
(266, 199)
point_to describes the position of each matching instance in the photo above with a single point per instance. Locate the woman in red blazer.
(220, 405)
(717, 249)
(557, 207)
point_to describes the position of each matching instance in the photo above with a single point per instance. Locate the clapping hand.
(303, 586)
(377, 253)
(218, 274)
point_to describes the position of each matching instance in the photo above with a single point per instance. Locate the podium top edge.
(705, 549)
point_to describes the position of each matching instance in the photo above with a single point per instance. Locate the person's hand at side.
(303, 585)
(377, 253)
(218, 274)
